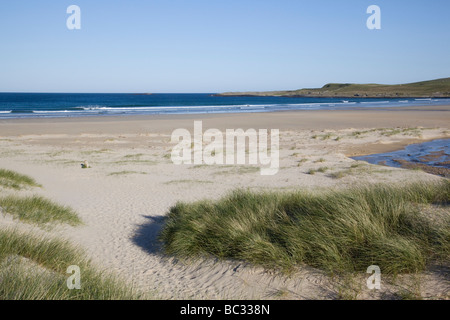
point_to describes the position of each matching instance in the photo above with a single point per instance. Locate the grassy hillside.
(424, 89)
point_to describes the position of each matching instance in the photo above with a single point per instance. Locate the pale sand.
(123, 198)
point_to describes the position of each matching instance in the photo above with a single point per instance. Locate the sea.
(57, 105)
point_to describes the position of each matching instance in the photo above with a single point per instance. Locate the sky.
(163, 46)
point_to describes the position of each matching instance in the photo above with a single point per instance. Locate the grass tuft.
(13, 180)
(336, 231)
(34, 268)
(38, 210)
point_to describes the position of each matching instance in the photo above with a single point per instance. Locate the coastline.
(416, 116)
(438, 88)
(229, 152)
(100, 105)
(404, 117)
(284, 120)
(132, 183)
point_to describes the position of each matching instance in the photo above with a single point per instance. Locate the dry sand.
(123, 198)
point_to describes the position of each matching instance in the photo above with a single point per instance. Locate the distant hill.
(438, 88)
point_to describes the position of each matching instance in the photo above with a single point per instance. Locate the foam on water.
(26, 105)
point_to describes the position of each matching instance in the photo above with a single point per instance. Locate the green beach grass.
(34, 268)
(13, 180)
(335, 230)
(38, 210)
(32, 209)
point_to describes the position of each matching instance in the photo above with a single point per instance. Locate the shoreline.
(285, 121)
(313, 120)
(436, 116)
(131, 185)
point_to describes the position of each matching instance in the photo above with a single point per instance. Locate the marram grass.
(39, 210)
(34, 268)
(13, 180)
(336, 231)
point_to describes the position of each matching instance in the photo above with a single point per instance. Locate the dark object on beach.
(85, 165)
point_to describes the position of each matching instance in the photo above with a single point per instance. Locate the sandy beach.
(124, 196)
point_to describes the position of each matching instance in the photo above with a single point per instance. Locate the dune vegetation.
(34, 267)
(13, 180)
(38, 210)
(335, 230)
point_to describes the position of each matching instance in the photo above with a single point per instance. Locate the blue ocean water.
(26, 105)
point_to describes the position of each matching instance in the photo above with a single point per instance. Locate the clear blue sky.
(218, 45)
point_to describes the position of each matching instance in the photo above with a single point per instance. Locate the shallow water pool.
(434, 153)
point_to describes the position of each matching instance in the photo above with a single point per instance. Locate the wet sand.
(426, 116)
